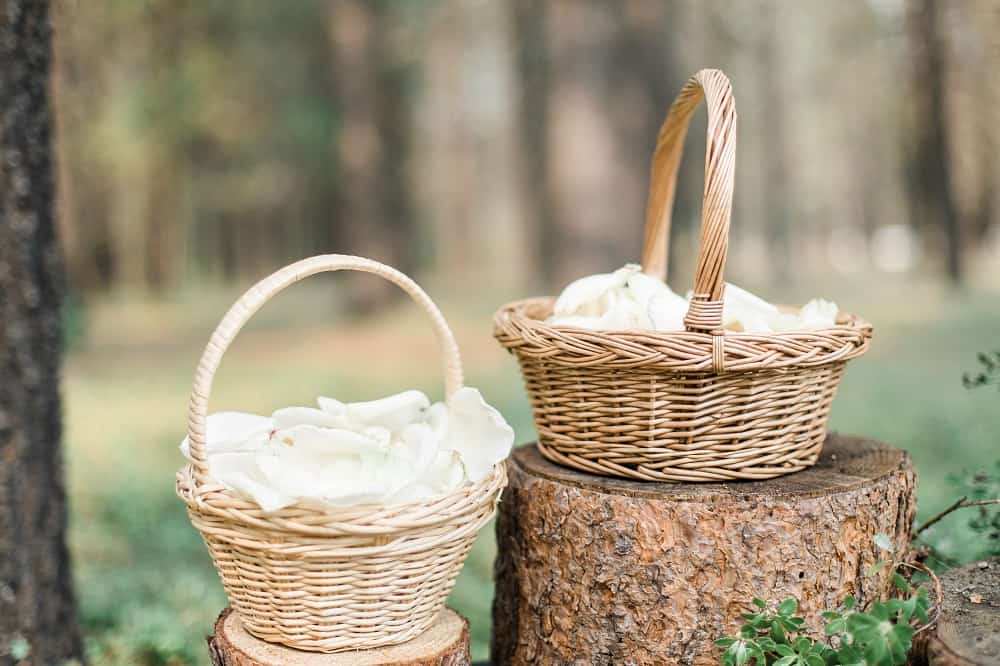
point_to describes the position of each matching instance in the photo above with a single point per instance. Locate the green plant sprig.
(881, 635)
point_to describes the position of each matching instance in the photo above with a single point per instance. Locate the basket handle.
(705, 310)
(260, 293)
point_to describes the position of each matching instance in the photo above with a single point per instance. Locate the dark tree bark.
(931, 194)
(529, 23)
(596, 81)
(37, 608)
(370, 85)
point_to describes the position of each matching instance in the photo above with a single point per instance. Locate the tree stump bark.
(967, 632)
(446, 643)
(601, 571)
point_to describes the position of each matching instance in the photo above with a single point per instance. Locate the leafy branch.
(988, 375)
(879, 636)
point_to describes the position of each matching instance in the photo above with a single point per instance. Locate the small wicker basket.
(702, 404)
(320, 579)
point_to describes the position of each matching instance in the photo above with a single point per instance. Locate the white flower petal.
(395, 412)
(331, 406)
(643, 287)
(445, 474)
(419, 445)
(293, 416)
(309, 442)
(585, 296)
(818, 313)
(239, 471)
(478, 432)
(437, 419)
(230, 431)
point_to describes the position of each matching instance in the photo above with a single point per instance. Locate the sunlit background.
(493, 150)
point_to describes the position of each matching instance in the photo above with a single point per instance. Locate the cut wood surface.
(446, 643)
(602, 571)
(968, 629)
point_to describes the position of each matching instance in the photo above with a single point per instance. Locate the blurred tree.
(370, 86)
(529, 23)
(80, 77)
(931, 194)
(588, 156)
(38, 623)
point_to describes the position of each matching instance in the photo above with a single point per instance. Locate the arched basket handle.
(705, 310)
(259, 294)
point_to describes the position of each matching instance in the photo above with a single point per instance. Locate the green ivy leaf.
(724, 642)
(900, 583)
(849, 655)
(777, 633)
(759, 603)
(849, 601)
(786, 661)
(784, 650)
(788, 607)
(835, 626)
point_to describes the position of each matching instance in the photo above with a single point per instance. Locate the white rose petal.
(478, 432)
(584, 296)
(316, 443)
(396, 449)
(818, 313)
(666, 312)
(394, 412)
(231, 431)
(241, 473)
(293, 416)
(331, 406)
(445, 474)
(418, 445)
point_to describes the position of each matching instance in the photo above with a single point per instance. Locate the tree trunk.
(604, 571)
(931, 193)
(446, 643)
(595, 86)
(967, 632)
(37, 609)
(529, 26)
(370, 83)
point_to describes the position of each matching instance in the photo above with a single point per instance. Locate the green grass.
(147, 590)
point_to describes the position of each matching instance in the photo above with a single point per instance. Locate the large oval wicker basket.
(702, 404)
(321, 579)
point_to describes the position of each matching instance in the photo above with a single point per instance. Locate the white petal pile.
(397, 449)
(628, 299)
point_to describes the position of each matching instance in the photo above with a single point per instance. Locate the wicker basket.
(696, 405)
(321, 579)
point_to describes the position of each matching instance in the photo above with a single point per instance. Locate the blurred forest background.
(493, 150)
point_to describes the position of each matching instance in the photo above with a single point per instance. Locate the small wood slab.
(446, 643)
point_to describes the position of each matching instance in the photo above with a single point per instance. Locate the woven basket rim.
(518, 327)
(363, 520)
(518, 307)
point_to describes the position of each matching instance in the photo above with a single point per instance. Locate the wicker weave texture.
(702, 404)
(328, 580)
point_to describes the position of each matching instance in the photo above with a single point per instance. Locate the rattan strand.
(702, 404)
(328, 580)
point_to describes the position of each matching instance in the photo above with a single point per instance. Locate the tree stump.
(446, 643)
(596, 571)
(967, 632)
